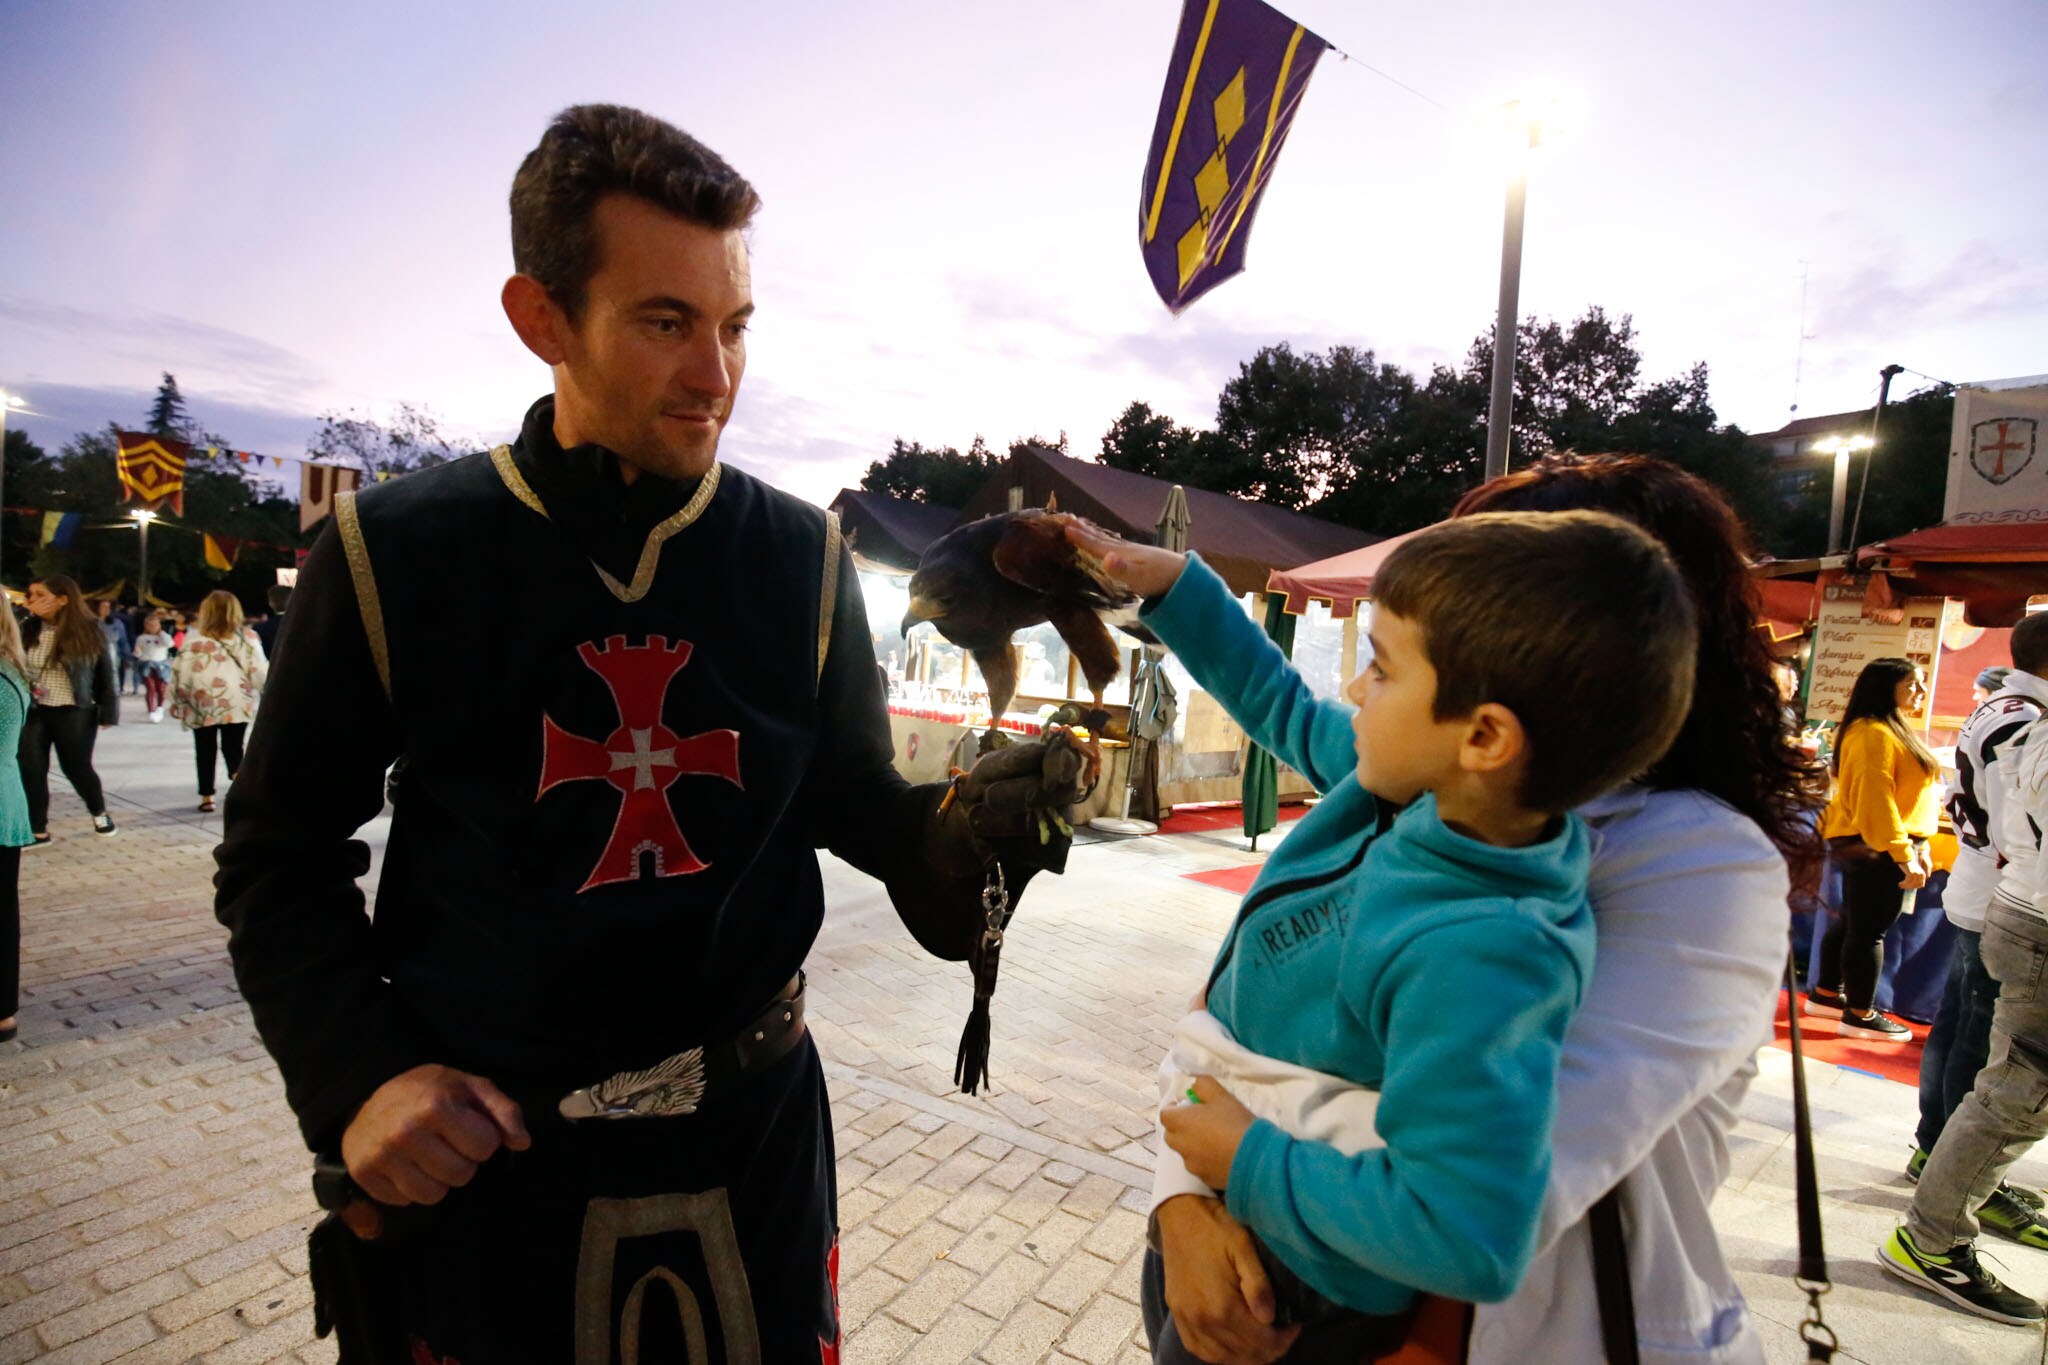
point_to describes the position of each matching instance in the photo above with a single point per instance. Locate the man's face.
(651, 368)
(1403, 749)
(106, 610)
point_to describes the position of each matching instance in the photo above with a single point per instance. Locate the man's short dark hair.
(592, 150)
(1578, 622)
(2030, 644)
(278, 596)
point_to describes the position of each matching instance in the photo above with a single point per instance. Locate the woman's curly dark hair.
(1734, 744)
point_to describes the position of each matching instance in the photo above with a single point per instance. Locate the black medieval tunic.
(627, 716)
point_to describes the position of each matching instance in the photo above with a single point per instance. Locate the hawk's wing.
(1034, 553)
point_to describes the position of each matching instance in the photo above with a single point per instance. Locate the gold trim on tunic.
(650, 552)
(828, 590)
(348, 521)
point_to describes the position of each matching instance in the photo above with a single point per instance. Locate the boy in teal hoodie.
(1393, 997)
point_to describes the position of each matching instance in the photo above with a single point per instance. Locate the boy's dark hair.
(1577, 622)
(2030, 644)
(592, 150)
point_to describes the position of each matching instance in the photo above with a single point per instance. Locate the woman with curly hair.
(71, 678)
(214, 685)
(1688, 885)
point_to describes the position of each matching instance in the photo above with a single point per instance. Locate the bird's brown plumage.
(981, 583)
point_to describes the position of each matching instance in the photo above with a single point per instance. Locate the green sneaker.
(2010, 1218)
(1957, 1277)
(1915, 1163)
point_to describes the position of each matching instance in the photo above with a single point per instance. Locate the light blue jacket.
(1404, 956)
(14, 830)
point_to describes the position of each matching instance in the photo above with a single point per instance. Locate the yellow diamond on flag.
(1194, 245)
(1212, 182)
(1230, 109)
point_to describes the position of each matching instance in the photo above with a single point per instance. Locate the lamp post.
(1526, 123)
(7, 400)
(143, 517)
(1841, 447)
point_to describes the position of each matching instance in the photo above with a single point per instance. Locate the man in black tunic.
(575, 1026)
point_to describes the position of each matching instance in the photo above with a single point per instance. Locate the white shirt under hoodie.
(1689, 897)
(1984, 789)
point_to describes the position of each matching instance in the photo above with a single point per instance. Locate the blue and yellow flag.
(1239, 71)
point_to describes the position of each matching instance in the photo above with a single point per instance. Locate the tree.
(411, 439)
(941, 476)
(1303, 421)
(167, 415)
(1432, 449)
(1024, 442)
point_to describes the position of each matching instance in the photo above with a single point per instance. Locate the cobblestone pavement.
(153, 1195)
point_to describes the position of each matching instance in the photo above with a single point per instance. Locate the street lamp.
(7, 401)
(1841, 447)
(142, 517)
(1526, 122)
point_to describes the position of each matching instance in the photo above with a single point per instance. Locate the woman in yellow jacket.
(1877, 825)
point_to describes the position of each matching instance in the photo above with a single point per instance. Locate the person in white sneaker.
(2003, 1116)
(153, 665)
(1990, 843)
(1877, 826)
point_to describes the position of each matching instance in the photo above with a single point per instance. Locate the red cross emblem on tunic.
(642, 758)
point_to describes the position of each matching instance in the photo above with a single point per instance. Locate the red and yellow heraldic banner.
(1239, 71)
(152, 470)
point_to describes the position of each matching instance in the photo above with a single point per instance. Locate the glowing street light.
(1525, 124)
(142, 517)
(1841, 447)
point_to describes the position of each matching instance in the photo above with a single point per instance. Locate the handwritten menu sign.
(1845, 640)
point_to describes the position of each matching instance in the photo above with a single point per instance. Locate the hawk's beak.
(921, 609)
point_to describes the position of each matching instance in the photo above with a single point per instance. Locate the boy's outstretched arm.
(1192, 611)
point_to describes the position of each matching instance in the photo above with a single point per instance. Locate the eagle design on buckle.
(673, 1086)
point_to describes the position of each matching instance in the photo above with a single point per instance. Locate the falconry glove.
(991, 831)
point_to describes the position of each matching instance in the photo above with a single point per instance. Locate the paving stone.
(153, 1200)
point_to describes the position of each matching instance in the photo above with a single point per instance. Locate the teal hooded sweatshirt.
(1395, 952)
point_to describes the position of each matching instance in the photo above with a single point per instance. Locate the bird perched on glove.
(981, 583)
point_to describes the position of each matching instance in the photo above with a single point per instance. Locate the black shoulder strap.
(1610, 1279)
(1610, 1243)
(1821, 1342)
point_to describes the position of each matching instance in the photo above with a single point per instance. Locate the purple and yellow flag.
(152, 470)
(1239, 71)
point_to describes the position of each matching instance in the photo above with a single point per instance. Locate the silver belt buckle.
(674, 1086)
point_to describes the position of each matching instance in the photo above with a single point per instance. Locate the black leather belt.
(676, 1085)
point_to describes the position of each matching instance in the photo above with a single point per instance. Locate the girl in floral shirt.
(214, 684)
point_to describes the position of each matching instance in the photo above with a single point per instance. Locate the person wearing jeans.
(2000, 1121)
(1877, 825)
(1993, 842)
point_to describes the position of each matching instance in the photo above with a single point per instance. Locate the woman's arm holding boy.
(1194, 614)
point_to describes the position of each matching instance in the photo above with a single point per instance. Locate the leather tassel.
(970, 1065)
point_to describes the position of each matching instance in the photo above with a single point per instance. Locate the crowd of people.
(65, 664)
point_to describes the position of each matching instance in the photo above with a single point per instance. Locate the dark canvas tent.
(1242, 541)
(890, 533)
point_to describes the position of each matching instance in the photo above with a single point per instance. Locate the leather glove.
(1015, 800)
(1010, 807)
